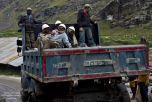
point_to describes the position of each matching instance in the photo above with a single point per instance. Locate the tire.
(32, 97)
(24, 96)
(123, 95)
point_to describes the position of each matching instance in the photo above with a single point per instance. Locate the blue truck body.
(53, 65)
(74, 74)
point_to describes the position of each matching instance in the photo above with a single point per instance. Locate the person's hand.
(81, 29)
(95, 22)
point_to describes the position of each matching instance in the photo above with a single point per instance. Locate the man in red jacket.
(84, 23)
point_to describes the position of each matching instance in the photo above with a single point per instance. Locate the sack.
(138, 95)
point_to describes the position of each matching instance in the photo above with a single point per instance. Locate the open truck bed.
(57, 65)
(88, 74)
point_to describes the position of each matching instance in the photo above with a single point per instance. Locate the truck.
(83, 74)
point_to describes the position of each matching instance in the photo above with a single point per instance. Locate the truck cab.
(83, 74)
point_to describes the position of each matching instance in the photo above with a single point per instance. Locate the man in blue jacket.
(84, 23)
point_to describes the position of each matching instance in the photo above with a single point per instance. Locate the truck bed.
(57, 65)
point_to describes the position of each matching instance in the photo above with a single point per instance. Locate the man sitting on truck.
(55, 28)
(61, 37)
(72, 37)
(43, 40)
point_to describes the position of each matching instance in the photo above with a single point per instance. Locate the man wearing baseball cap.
(28, 22)
(84, 23)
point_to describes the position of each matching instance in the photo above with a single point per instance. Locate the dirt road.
(10, 88)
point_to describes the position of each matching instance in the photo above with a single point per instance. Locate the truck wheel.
(123, 95)
(24, 96)
(32, 97)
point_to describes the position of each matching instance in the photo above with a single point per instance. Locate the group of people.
(58, 37)
(61, 36)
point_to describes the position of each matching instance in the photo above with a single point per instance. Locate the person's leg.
(27, 40)
(133, 89)
(144, 92)
(32, 39)
(89, 37)
(82, 38)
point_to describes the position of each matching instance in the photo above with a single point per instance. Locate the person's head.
(58, 22)
(71, 30)
(143, 40)
(45, 28)
(62, 28)
(29, 11)
(87, 7)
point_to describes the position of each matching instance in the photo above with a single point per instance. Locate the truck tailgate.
(93, 62)
(96, 62)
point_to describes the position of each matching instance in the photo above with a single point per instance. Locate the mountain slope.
(66, 10)
(45, 10)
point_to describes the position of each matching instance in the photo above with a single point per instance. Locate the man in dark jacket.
(84, 23)
(28, 22)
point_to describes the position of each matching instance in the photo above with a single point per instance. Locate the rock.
(127, 10)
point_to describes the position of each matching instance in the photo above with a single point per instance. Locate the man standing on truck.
(28, 22)
(84, 22)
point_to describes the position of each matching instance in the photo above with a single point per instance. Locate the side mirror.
(19, 42)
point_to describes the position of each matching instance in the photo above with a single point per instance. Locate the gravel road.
(10, 88)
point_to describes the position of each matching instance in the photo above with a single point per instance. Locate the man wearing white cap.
(58, 22)
(72, 37)
(84, 23)
(43, 40)
(62, 37)
(55, 28)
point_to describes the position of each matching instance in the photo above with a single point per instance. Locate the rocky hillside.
(44, 10)
(128, 13)
(125, 13)
(128, 19)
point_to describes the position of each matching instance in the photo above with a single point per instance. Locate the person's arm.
(91, 20)
(66, 41)
(79, 19)
(21, 21)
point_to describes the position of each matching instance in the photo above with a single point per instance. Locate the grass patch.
(10, 33)
(118, 35)
(9, 73)
(57, 2)
(9, 70)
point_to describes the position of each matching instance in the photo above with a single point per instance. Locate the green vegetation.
(9, 72)
(109, 36)
(118, 35)
(57, 2)
(10, 33)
